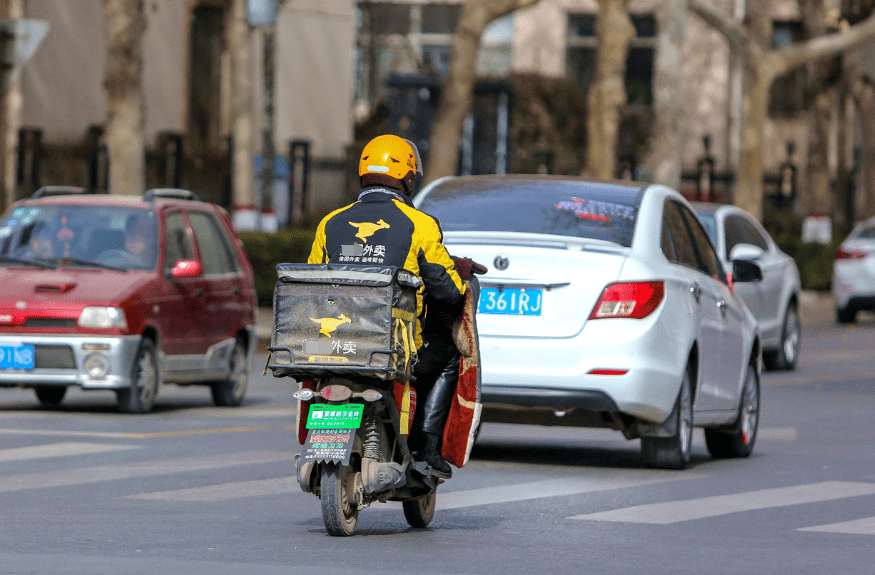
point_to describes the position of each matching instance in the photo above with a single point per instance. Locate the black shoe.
(431, 454)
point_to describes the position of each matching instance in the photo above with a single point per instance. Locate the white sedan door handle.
(696, 291)
(721, 305)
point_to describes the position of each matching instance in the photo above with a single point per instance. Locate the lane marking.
(676, 511)
(112, 472)
(226, 491)
(865, 526)
(150, 435)
(554, 488)
(59, 450)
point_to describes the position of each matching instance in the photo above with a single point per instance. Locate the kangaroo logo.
(367, 229)
(329, 324)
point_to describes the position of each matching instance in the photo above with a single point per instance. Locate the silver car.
(605, 305)
(774, 301)
(853, 272)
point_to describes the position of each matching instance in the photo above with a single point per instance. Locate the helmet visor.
(416, 157)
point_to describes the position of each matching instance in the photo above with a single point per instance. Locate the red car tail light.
(629, 299)
(842, 254)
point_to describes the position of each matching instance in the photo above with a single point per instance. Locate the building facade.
(557, 38)
(196, 63)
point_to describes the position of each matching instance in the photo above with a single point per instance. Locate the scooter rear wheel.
(420, 512)
(340, 511)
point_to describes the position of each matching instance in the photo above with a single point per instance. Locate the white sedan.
(853, 272)
(605, 305)
(774, 301)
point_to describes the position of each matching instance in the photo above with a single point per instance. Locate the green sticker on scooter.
(324, 416)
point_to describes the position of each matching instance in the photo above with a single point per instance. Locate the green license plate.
(324, 416)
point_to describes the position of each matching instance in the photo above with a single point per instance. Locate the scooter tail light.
(335, 392)
(635, 300)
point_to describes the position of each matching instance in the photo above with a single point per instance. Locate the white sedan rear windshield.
(589, 210)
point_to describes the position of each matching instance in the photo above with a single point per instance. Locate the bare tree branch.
(456, 95)
(785, 59)
(734, 31)
(763, 67)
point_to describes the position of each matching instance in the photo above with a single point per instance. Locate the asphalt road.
(196, 489)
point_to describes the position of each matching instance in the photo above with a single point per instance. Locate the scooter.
(356, 451)
(346, 334)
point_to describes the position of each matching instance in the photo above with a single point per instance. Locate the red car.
(123, 293)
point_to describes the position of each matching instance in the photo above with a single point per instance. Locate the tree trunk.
(456, 95)
(816, 198)
(243, 150)
(863, 91)
(12, 109)
(749, 189)
(125, 23)
(844, 196)
(762, 67)
(667, 140)
(607, 95)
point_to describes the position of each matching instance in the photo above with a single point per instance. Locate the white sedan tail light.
(634, 300)
(842, 254)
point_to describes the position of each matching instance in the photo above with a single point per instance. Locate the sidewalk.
(815, 308)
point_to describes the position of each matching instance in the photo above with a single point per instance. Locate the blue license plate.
(510, 301)
(12, 357)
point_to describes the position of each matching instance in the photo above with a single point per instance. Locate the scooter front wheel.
(340, 510)
(419, 512)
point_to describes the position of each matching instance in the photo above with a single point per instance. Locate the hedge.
(814, 260)
(265, 251)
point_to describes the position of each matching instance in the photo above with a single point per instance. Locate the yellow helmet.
(391, 156)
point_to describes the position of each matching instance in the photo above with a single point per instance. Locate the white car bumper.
(555, 372)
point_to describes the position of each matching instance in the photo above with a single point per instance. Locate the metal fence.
(308, 186)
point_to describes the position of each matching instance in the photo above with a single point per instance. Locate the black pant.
(437, 373)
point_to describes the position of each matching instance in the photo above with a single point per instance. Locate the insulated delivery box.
(344, 320)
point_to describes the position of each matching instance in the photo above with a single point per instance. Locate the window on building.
(400, 37)
(387, 18)
(787, 95)
(440, 18)
(581, 55)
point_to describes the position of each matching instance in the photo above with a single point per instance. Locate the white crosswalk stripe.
(446, 500)
(865, 526)
(78, 476)
(589, 481)
(597, 480)
(59, 450)
(687, 510)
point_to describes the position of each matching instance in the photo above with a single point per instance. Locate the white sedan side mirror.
(745, 252)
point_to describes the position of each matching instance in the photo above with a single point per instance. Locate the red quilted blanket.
(466, 407)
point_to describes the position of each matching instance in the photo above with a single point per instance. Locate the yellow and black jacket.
(380, 228)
